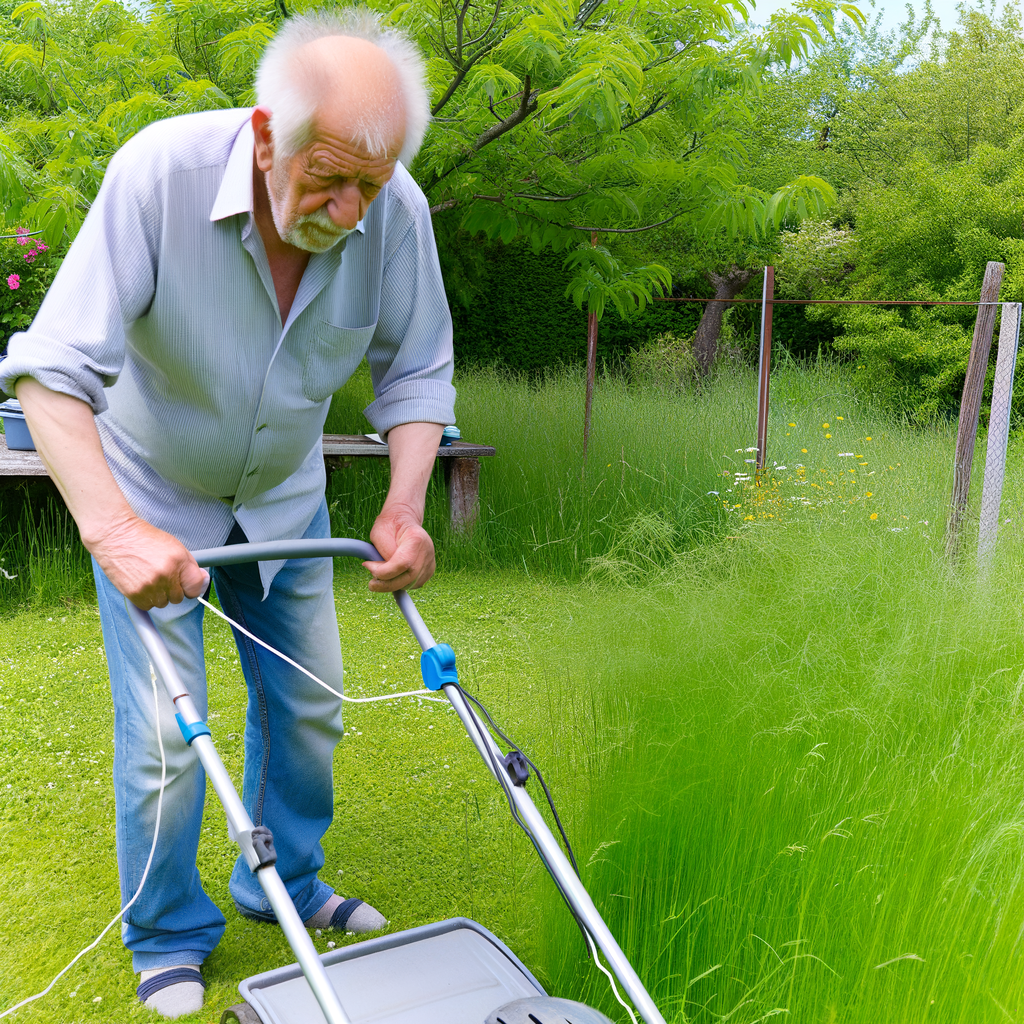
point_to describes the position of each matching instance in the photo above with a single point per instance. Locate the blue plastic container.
(450, 434)
(15, 428)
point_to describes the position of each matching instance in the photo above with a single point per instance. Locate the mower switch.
(438, 667)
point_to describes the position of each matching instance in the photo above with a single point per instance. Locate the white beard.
(312, 232)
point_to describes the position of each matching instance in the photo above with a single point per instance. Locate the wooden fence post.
(970, 404)
(764, 366)
(591, 368)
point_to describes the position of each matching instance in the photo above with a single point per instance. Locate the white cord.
(145, 874)
(604, 970)
(306, 672)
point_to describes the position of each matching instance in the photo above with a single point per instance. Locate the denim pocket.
(332, 357)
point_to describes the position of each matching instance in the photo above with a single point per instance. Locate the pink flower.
(13, 282)
(41, 247)
(30, 256)
(22, 236)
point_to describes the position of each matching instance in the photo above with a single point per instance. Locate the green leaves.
(599, 279)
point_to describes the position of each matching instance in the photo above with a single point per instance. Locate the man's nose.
(345, 205)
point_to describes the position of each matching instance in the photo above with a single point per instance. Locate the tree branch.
(458, 79)
(650, 112)
(448, 204)
(527, 107)
(624, 231)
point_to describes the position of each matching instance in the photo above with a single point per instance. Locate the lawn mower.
(449, 972)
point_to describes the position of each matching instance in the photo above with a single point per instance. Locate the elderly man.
(234, 270)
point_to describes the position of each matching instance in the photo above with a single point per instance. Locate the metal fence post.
(764, 366)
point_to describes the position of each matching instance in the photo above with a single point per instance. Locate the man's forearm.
(65, 436)
(147, 565)
(405, 547)
(413, 449)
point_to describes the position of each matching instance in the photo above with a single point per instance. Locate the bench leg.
(463, 479)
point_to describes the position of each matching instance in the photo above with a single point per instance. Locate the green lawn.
(425, 834)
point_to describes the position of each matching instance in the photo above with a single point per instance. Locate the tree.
(552, 117)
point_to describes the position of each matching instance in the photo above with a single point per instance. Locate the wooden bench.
(460, 461)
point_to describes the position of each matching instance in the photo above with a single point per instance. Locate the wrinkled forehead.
(330, 154)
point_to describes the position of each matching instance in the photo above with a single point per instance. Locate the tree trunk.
(727, 286)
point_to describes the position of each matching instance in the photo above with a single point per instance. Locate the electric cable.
(306, 672)
(540, 777)
(611, 978)
(499, 771)
(145, 873)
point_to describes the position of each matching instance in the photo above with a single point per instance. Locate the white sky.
(893, 11)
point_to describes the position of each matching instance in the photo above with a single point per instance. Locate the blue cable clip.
(438, 667)
(190, 732)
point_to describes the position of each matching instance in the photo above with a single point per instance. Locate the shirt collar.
(235, 193)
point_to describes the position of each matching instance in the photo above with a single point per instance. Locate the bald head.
(343, 73)
(358, 91)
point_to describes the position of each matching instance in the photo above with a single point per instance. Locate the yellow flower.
(874, 515)
(840, 418)
(804, 450)
(824, 426)
(869, 494)
(792, 424)
(828, 435)
(867, 438)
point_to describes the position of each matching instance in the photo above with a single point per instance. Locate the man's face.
(319, 196)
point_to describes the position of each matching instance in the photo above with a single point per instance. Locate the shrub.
(27, 266)
(666, 362)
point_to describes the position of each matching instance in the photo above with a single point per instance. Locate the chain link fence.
(998, 432)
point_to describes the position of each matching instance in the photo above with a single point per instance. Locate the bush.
(27, 266)
(666, 363)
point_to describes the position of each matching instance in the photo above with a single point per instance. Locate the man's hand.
(407, 550)
(151, 568)
(398, 533)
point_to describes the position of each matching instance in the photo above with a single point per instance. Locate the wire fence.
(998, 432)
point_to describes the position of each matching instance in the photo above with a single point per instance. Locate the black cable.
(500, 773)
(547, 793)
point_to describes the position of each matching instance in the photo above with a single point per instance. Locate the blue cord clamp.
(190, 732)
(438, 666)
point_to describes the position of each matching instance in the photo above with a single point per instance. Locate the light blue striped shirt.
(164, 318)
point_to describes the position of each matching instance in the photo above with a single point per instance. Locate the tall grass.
(652, 458)
(804, 798)
(42, 560)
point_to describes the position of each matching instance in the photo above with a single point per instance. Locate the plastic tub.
(15, 428)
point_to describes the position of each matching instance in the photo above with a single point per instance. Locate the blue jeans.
(291, 729)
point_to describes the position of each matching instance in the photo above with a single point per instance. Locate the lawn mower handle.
(327, 547)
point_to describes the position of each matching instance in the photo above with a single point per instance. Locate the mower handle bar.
(327, 547)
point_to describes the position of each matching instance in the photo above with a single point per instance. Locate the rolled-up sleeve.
(410, 355)
(76, 344)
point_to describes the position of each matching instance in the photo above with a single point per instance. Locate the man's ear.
(264, 137)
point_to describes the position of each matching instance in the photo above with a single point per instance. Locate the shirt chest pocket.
(332, 357)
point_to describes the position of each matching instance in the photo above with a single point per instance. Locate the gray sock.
(322, 918)
(174, 1000)
(363, 919)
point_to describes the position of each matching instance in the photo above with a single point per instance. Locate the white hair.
(290, 95)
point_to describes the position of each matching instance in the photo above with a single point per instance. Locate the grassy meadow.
(785, 734)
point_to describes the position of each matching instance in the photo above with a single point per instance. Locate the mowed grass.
(420, 831)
